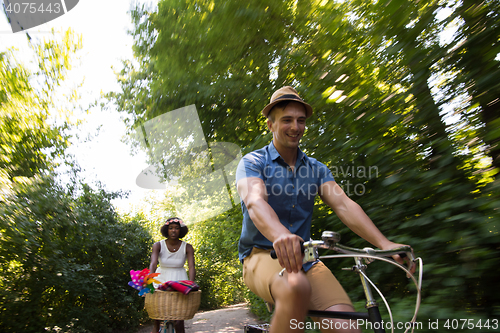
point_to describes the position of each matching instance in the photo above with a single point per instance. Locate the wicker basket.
(172, 305)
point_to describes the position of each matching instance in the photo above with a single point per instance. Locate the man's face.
(288, 126)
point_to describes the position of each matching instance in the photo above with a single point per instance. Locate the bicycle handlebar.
(403, 251)
(330, 242)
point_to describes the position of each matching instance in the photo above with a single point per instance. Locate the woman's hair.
(176, 220)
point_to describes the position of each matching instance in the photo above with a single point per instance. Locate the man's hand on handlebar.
(401, 259)
(288, 251)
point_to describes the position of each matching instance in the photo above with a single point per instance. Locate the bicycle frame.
(168, 327)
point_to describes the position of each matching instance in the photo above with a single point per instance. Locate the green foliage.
(218, 270)
(28, 142)
(473, 62)
(65, 254)
(378, 76)
(66, 259)
(258, 307)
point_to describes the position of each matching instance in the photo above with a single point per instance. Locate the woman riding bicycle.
(172, 254)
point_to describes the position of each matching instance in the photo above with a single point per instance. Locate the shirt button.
(291, 225)
(293, 206)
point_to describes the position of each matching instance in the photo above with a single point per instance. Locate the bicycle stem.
(371, 305)
(360, 267)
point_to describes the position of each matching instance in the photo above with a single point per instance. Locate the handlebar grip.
(408, 254)
(274, 256)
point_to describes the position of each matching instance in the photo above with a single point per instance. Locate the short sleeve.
(325, 175)
(251, 165)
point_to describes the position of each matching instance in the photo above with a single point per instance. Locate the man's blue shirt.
(290, 193)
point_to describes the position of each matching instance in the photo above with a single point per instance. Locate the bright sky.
(103, 26)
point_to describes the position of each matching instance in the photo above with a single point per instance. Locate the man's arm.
(252, 190)
(353, 216)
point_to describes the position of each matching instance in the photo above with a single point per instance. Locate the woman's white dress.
(171, 266)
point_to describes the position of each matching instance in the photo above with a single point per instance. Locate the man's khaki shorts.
(259, 270)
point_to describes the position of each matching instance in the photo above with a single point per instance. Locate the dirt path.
(230, 319)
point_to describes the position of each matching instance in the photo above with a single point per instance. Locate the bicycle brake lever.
(411, 259)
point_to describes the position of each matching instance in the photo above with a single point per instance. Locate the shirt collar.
(274, 153)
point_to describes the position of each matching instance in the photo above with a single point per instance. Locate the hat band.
(289, 96)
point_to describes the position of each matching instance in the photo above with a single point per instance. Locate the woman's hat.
(164, 228)
(286, 93)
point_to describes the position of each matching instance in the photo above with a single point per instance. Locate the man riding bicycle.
(278, 184)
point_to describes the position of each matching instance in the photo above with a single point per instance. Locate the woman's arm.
(154, 257)
(190, 259)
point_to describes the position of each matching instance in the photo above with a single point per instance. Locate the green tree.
(367, 68)
(216, 256)
(65, 253)
(67, 257)
(474, 61)
(28, 140)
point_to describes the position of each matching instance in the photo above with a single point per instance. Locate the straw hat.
(286, 93)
